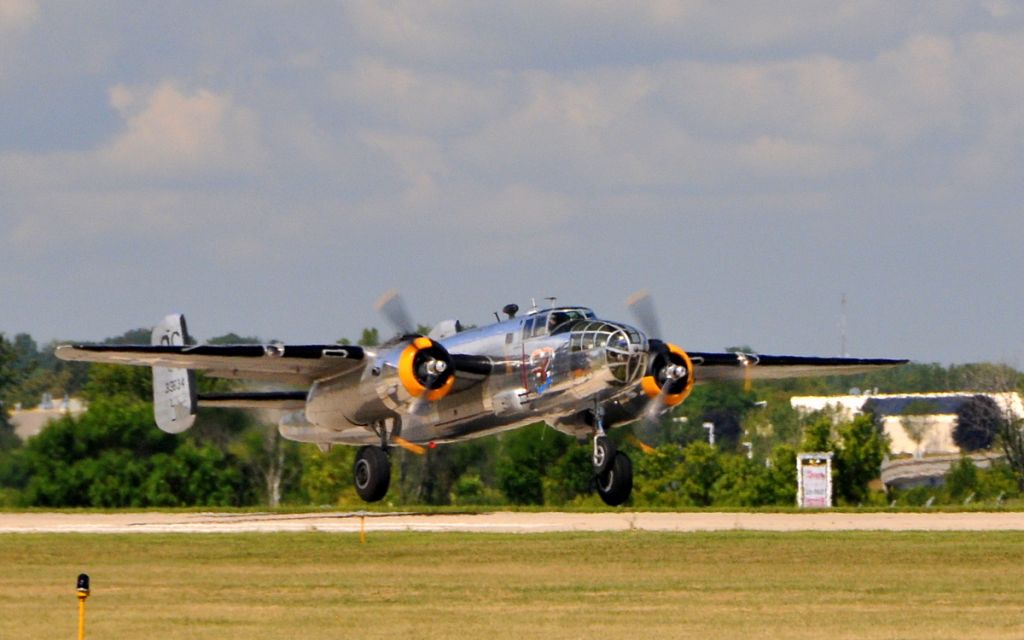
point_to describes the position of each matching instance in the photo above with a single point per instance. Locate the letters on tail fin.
(174, 390)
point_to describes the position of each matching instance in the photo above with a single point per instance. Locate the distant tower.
(842, 328)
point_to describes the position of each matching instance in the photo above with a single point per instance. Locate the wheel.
(372, 473)
(615, 484)
(603, 454)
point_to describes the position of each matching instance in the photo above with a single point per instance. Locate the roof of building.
(885, 404)
(897, 405)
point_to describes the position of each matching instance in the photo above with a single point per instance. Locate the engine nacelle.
(669, 373)
(425, 369)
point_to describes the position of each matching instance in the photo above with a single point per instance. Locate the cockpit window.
(563, 321)
(555, 321)
(533, 326)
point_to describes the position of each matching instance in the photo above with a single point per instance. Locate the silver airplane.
(561, 365)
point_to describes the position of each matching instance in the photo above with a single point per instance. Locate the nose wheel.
(613, 471)
(615, 484)
(603, 455)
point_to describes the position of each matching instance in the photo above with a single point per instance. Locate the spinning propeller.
(669, 377)
(391, 306)
(425, 368)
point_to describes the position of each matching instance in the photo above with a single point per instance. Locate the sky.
(271, 168)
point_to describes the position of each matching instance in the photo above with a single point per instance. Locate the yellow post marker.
(362, 528)
(83, 593)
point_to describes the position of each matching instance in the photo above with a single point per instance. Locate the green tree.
(26, 354)
(978, 420)
(701, 469)
(1011, 440)
(105, 446)
(723, 404)
(8, 439)
(193, 475)
(118, 381)
(272, 462)
(743, 483)
(782, 475)
(817, 433)
(8, 374)
(112, 456)
(142, 335)
(998, 480)
(962, 479)
(862, 447)
(658, 476)
(234, 338)
(326, 477)
(370, 337)
(525, 456)
(570, 476)
(470, 489)
(13, 474)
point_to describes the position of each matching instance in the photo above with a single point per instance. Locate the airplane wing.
(292, 364)
(713, 367)
(280, 400)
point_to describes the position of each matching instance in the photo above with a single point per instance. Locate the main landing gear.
(372, 473)
(613, 470)
(372, 470)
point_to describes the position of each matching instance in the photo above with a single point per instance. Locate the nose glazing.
(625, 352)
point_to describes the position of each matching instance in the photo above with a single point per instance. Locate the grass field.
(621, 585)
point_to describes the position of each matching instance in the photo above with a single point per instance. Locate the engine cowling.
(669, 373)
(425, 369)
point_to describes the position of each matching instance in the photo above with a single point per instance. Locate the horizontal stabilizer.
(294, 364)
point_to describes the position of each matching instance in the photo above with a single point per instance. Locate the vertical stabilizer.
(174, 390)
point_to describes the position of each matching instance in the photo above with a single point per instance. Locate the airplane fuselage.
(554, 365)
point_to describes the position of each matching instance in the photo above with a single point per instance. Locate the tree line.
(112, 455)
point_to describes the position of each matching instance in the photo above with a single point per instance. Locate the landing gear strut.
(604, 449)
(612, 468)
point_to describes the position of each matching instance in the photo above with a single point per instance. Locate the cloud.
(418, 160)
(147, 176)
(418, 30)
(436, 103)
(16, 15)
(16, 20)
(435, 134)
(171, 133)
(770, 155)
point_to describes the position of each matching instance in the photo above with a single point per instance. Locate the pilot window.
(535, 326)
(528, 327)
(563, 321)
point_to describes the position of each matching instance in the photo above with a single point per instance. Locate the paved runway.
(504, 522)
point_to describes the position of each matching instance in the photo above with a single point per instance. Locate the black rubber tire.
(372, 473)
(602, 455)
(616, 484)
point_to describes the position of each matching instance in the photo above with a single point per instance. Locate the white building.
(29, 422)
(933, 432)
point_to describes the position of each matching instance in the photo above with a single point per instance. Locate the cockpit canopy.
(554, 321)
